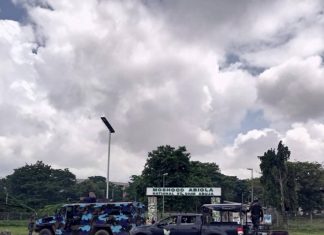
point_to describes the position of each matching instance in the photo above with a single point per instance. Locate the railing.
(5, 233)
(14, 216)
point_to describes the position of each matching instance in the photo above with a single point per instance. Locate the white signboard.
(175, 191)
(267, 219)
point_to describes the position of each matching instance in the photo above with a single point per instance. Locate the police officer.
(256, 213)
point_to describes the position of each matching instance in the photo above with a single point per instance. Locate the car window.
(169, 220)
(188, 219)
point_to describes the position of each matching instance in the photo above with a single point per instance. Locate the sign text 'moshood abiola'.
(177, 191)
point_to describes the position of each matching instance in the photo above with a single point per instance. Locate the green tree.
(268, 179)
(291, 189)
(235, 189)
(183, 173)
(204, 174)
(308, 178)
(98, 179)
(116, 192)
(281, 171)
(274, 175)
(209, 175)
(96, 184)
(174, 162)
(232, 188)
(137, 189)
(3, 195)
(38, 184)
(167, 159)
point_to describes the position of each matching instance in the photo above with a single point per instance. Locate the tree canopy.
(308, 177)
(291, 185)
(38, 184)
(34, 186)
(182, 172)
(274, 174)
(283, 184)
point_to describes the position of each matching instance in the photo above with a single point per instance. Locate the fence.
(14, 215)
(305, 222)
(293, 221)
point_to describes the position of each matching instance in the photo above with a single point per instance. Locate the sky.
(227, 79)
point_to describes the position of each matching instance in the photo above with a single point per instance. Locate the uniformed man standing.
(256, 214)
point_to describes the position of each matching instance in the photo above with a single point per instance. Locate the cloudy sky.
(227, 79)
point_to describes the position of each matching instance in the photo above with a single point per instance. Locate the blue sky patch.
(10, 11)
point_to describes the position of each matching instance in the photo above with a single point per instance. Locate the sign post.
(152, 209)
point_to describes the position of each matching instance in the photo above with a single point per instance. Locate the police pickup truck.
(215, 219)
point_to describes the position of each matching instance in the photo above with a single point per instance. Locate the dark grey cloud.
(15, 123)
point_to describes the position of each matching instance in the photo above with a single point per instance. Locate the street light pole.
(111, 130)
(251, 169)
(163, 179)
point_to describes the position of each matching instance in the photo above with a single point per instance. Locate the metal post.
(252, 185)
(163, 179)
(163, 198)
(111, 130)
(251, 169)
(108, 165)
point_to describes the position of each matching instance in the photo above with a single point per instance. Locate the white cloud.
(293, 91)
(159, 71)
(306, 142)
(245, 151)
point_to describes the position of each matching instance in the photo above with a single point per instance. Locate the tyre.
(45, 231)
(102, 232)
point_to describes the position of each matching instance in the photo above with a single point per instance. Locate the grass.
(16, 227)
(308, 233)
(305, 227)
(15, 230)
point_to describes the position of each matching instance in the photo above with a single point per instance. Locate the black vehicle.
(215, 219)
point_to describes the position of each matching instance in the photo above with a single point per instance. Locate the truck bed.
(228, 228)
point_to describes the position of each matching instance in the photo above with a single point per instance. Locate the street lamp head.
(251, 169)
(110, 128)
(165, 174)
